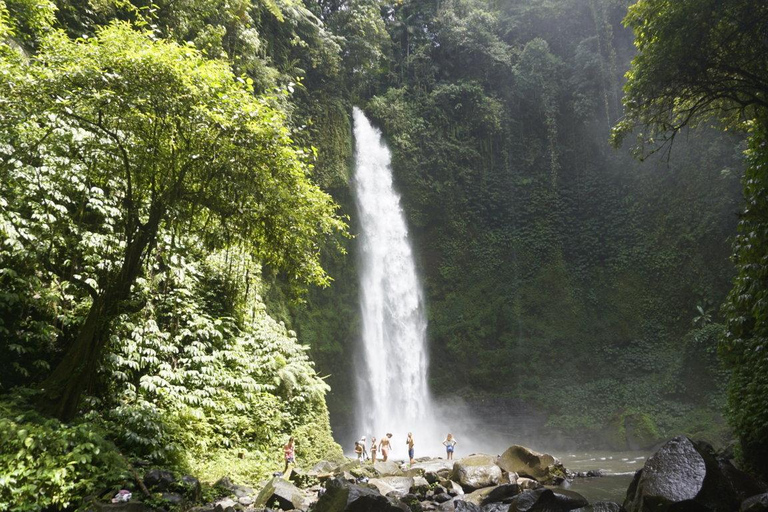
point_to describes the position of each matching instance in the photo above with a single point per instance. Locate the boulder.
(434, 469)
(528, 484)
(172, 498)
(539, 466)
(476, 471)
(547, 500)
(389, 468)
(502, 493)
(757, 503)
(159, 480)
(452, 487)
(466, 506)
(341, 496)
(496, 507)
(686, 475)
(323, 467)
(281, 492)
(384, 487)
(190, 486)
(303, 479)
(420, 485)
(401, 484)
(601, 506)
(477, 496)
(225, 505)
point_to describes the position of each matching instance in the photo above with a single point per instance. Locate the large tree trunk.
(77, 371)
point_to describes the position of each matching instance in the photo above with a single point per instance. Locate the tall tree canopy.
(168, 139)
(698, 59)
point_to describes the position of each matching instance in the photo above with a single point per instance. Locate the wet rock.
(757, 503)
(502, 493)
(477, 496)
(476, 471)
(159, 480)
(400, 485)
(420, 485)
(441, 498)
(453, 488)
(323, 467)
(547, 500)
(528, 484)
(539, 466)
(686, 475)
(190, 486)
(496, 507)
(224, 483)
(601, 506)
(303, 479)
(341, 496)
(389, 468)
(466, 506)
(225, 505)
(435, 469)
(172, 498)
(281, 492)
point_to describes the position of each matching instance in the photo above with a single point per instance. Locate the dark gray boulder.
(496, 507)
(684, 475)
(602, 506)
(501, 493)
(466, 506)
(757, 503)
(190, 487)
(341, 496)
(281, 492)
(547, 500)
(159, 480)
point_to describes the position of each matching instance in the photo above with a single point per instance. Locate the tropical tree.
(170, 139)
(698, 59)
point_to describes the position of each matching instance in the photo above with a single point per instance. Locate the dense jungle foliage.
(144, 185)
(166, 175)
(563, 278)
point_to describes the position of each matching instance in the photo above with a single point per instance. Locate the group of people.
(384, 446)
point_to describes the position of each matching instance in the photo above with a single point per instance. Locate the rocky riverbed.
(683, 475)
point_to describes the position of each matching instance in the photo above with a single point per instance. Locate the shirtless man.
(410, 444)
(384, 446)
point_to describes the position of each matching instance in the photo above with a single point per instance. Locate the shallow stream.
(618, 467)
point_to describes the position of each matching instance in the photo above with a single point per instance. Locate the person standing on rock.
(385, 446)
(362, 443)
(410, 444)
(449, 444)
(359, 451)
(373, 450)
(290, 456)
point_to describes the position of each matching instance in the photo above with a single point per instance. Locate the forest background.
(570, 286)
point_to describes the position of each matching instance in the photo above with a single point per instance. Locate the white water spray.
(393, 395)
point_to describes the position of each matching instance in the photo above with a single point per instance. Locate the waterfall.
(391, 373)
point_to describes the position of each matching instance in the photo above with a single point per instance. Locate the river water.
(619, 468)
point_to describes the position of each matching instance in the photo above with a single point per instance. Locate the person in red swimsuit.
(290, 456)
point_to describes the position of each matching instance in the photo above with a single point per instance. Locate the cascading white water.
(393, 395)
